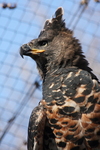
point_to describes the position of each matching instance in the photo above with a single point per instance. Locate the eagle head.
(55, 46)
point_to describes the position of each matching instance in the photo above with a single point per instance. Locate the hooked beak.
(27, 50)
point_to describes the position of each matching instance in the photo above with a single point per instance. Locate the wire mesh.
(19, 92)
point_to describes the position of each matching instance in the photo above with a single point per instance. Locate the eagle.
(68, 116)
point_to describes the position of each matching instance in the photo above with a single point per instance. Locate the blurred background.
(20, 84)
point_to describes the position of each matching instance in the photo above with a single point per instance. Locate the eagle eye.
(43, 43)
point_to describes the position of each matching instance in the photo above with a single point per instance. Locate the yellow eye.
(43, 43)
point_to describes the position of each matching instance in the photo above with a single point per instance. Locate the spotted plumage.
(68, 117)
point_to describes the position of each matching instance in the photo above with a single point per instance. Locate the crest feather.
(59, 13)
(56, 23)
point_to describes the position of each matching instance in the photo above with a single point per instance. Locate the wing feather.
(36, 128)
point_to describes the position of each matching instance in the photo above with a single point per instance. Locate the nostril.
(25, 47)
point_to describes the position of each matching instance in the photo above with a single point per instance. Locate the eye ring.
(43, 43)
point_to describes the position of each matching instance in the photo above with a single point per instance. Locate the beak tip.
(21, 52)
(22, 56)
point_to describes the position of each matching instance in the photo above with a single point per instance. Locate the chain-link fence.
(20, 86)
